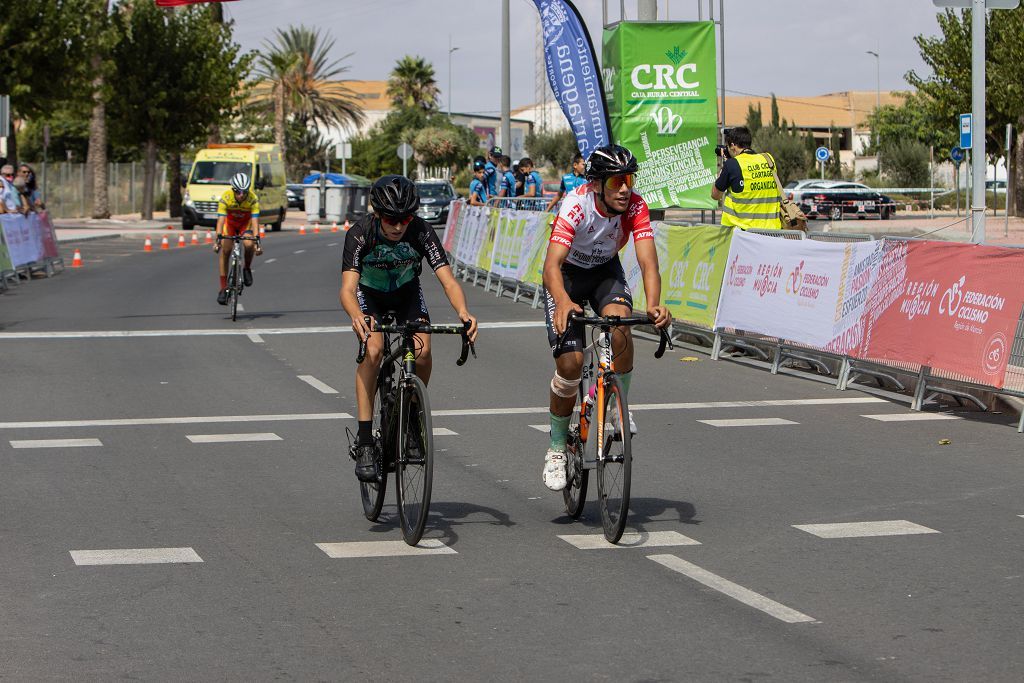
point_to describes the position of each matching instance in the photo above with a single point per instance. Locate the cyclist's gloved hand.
(465, 317)
(660, 315)
(562, 310)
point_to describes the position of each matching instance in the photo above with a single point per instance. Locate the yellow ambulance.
(211, 175)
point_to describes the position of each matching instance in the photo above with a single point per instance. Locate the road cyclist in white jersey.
(582, 266)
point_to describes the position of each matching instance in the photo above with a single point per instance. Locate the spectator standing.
(751, 198)
(11, 200)
(35, 196)
(570, 181)
(507, 186)
(491, 171)
(520, 178)
(532, 183)
(477, 187)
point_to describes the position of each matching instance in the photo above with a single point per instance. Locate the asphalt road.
(108, 370)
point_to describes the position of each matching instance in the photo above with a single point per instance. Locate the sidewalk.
(78, 229)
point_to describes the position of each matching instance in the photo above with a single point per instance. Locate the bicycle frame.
(603, 376)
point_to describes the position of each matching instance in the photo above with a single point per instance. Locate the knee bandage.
(563, 387)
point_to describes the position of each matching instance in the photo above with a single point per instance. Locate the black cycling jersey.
(384, 265)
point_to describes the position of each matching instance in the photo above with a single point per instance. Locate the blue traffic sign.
(957, 155)
(822, 154)
(966, 131)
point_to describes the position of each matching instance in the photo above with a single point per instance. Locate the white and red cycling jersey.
(592, 237)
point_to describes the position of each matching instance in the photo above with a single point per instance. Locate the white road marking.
(911, 417)
(241, 307)
(269, 260)
(144, 421)
(332, 244)
(444, 431)
(490, 411)
(749, 422)
(777, 403)
(896, 527)
(542, 428)
(56, 443)
(135, 556)
(255, 338)
(428, 546)
(300, 251)
(630, 539)
(227, 332)
(317, 384)
(735, 591)
(233, 438)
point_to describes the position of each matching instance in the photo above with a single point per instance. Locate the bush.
(905, 164)
(790, 152)
(552, 149)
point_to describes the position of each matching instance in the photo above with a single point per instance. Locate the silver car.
(435, 196)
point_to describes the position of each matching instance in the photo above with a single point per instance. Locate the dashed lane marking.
(749, 422)
(255, 338)
(895, 527)
(776, 403)
(135, 556)
(911, 417)
(299, 251)
(384, 549)
(233, 438)
(630, 539)
(228, 331)
(150, 421)
(269, 260)
(733, 590)
(444, 431)
(317, 384)
(56, 443)
(542, 428)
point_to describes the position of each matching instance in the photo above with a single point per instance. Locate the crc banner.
(803, 291)
(953, 307)
(660, 84)
(573, 73)
(692, 271)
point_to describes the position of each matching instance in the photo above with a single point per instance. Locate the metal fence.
(67, 188)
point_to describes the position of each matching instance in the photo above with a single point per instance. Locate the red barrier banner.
(953, 307)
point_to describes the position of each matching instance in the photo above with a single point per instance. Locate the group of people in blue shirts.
(497, 176)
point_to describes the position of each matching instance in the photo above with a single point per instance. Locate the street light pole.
(878, 106)
(450, 51)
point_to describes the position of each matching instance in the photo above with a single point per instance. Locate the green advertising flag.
(661, 88)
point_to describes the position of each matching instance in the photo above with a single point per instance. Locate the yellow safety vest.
(757, 206)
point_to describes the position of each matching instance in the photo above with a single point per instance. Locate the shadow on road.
(643, 512)
(445, 518)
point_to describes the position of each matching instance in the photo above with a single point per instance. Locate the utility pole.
(978, 118)
(450, 51)
(878, 105)
(506, 109)
(647, 10)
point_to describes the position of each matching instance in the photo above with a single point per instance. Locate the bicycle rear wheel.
(614, 466)
(372, 492)
(414, 469)
(576, 477)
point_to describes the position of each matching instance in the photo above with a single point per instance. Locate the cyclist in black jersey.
(380, 272)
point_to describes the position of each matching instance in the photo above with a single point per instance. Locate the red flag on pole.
(175, 3)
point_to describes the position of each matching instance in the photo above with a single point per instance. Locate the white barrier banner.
(24, 237)
(472, 232)
(805, 291)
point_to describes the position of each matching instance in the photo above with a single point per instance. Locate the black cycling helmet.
(394, 196)
(604, 162)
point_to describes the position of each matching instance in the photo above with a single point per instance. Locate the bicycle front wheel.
(372, 492)
(614, 464)
(234, 287)
(414, 470)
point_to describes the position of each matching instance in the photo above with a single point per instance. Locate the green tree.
(449, 146)
(411, 84)
(775, 112)
(374, 153)
(788, 150)
(754, 122)
(296, 79)
(905, 163)
(555, 149)
(170, 107)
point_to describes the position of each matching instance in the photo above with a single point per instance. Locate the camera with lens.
(722, 151)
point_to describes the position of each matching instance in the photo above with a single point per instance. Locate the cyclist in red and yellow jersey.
(238, 213)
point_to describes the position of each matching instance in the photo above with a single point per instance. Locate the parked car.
(550, 190)
(435, 196)
(836, 199)
(296, 197)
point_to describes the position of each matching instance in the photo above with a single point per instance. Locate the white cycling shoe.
(554, 469)
(613, 417)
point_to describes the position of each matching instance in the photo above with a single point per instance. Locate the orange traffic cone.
(302, 229)
(334, 227)
(164, 244)
(76, 262)
(195, 238)
(263, 232)
(148, 246)
(209, 237)
(316, 228)
(347, 226)
(181, 241)
(169, 227)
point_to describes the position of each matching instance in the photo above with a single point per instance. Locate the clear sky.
(789, 47)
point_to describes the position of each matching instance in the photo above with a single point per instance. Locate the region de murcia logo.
(667, 121)
(676, 55)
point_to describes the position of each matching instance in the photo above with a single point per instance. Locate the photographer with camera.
(747, 183)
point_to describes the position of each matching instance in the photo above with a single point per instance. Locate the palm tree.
(412, 84)
(297, 79)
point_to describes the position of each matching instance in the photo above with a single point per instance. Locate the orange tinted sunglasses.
(616, 181)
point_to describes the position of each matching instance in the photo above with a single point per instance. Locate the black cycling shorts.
(407, 303)
(598, 286)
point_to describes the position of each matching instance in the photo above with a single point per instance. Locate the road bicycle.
(403, 437)
(599, 434)
(236, 262)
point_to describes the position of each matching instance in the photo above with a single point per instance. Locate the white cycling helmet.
(240, 182)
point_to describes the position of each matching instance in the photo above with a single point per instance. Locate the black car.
(435, 196)
(296, 197)
(836, 200)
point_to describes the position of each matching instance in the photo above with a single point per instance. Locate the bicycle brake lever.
(665, 340)
(362, 343)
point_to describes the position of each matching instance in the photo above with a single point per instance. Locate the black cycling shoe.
(365, 456)
(247, 277)
(222, 297)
